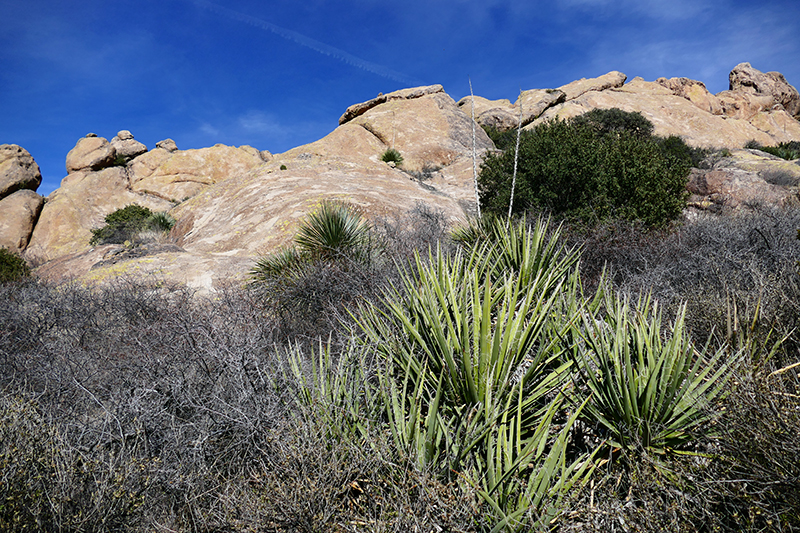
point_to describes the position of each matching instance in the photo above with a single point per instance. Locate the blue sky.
(278, 74)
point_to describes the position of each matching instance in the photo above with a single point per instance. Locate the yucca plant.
(649, 389)
(337, 391)
(332, 233)
(474, 373)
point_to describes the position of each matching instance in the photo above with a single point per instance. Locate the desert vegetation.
(498, 382)
(12, 266)
(605, 164)
(132, 223)
(785, 150)
(582, 367)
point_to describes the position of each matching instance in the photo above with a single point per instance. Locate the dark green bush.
(127, 223)
(12, 266)
(787, 150)
(591, 168)
(615, 120)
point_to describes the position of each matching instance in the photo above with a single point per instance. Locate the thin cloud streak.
(310, 43)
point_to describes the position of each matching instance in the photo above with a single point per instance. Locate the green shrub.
(12, 266)
(615, 120)
(127, 223)
(786, 150)
(593, 168)
(392, 156)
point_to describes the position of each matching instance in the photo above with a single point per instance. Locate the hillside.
(233, 205)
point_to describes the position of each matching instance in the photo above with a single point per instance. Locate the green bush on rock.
(605, 164)
(128, 224)
(12, 266)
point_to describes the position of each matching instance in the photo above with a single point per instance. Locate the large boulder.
(694, 91)
(18, 170)
(91, 153)
(610, 80)
(502, 115)
(177, 175)
(18, 214)
(745, 79)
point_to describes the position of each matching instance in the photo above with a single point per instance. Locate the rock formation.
(234, 204)
(126, 146)
(745, 177)
(19, 203)
(158, 180)
(760, 107)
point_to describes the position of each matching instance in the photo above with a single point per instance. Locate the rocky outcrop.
(695, 92)
(577, 88)
(126, 146)
(91, 153)
(181, 174)
(233, 205)
(356, 110)
(502, 115)
(744, 79)
(80, 205)
(18, 170)
(18, 214)
(743, 178)
(158, 179)
(259, 212)
(681, 107)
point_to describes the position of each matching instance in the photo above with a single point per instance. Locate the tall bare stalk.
(516, 158)
(474, 154)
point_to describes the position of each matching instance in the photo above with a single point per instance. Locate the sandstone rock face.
(91, 153)
(403, 94)
(670, 114)
(157, 179)
(167, 144)
(695, 92)
(232, 222)
(260, 211)
(536, 101)
(80, 205)
(126, 146)
(745, 79)
(502, 115)
(497, 114)
(182, 174)
(611, 80)
(18, 170)
(18, 214)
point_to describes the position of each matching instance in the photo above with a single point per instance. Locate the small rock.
(168, 145)
(126, 146)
